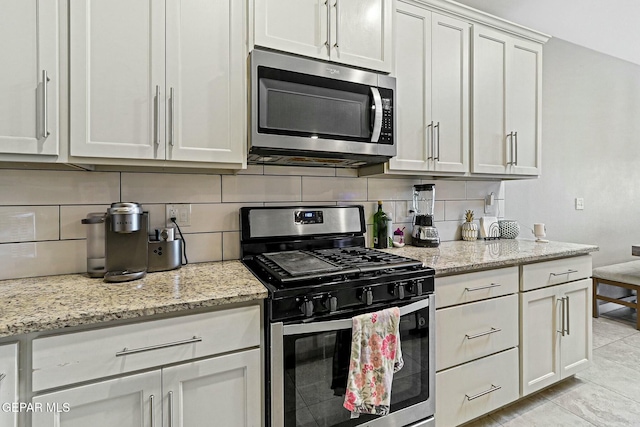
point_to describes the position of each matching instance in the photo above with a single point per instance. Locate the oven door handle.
(377, 114)
(334, 325)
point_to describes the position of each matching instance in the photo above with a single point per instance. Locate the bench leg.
(596, 311)
(637, 309)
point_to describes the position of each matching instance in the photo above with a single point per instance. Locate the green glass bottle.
(380, 228)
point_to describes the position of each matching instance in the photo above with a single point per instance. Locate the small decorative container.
(469, 228)
(509, 229)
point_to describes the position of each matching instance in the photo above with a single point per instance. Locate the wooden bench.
(624, 275)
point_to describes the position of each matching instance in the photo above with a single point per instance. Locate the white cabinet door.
(576, 350)
(450, 93)
(539, 339)
(361, 33)
(352, 32)
(507, 76)
(489, 101)
(432, 72)
(413, 89)
(555, 333)
(524, 103)
(28, 103)
(226, 389)
(204, 95)
(8, 382)
(132, 401)
(117, 71)
(297, 26)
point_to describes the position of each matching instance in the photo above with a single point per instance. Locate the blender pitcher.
(424, 233)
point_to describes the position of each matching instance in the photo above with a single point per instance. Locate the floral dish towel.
(375, 356)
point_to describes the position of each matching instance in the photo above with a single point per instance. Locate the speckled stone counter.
(54, 302)
(462, 257)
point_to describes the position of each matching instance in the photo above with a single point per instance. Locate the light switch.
(579, 203)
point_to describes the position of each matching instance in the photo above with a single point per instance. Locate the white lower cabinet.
(8, 383)
(224, 388)
(187, 371)
(495, 345)
(556, 333)
(134, 400)
(471, 331)
(473, 389)
(233, 379)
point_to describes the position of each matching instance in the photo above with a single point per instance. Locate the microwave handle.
(377, 114)
(334, 325)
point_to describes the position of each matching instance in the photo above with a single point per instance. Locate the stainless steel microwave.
(313, 113)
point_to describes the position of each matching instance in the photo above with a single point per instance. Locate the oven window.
(316, 368)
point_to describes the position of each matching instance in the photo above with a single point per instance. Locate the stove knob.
(331, 303)
(416, 286)
(367, 296)
(306, 307)
(400, 291)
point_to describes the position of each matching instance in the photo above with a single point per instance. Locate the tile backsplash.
(40, 211)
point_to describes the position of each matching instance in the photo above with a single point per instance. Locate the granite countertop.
(461, 257)
(54, 302)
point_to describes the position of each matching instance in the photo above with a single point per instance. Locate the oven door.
(309, 363)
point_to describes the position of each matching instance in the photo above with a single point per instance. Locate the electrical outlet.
(182, 214)
(579, 203)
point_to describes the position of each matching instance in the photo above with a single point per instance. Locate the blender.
(424, 233)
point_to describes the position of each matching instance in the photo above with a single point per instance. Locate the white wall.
(590, 149)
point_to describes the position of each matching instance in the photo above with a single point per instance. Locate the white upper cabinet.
(156, 79)
(432, 72)
(29, 77)
(507, 75)
(352, 32)
(117, 67)
(205, 81)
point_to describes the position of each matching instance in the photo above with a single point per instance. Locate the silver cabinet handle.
(437, 144)
(515, 150)
(157, 116)
(45, 107)
(327, 43)
(491, 390)
(430, 133)
(337, 44)
(126, 351)
(562, 274)
(2, 376)
(481, 334)
(562, 331)
(170, 409)
(152, 410)
(568, 316)
(171, 117)
(493, 285)
(510, 136)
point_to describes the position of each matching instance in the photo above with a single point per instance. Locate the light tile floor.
(606, 394)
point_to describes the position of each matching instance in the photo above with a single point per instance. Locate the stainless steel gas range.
(319, 274)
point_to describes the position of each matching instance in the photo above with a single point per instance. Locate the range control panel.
(308, 217)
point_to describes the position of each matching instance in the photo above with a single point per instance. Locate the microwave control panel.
(386, 133)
